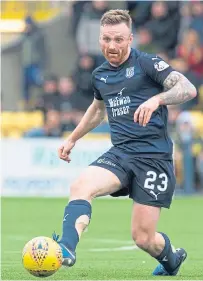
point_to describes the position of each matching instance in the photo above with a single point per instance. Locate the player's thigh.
(144, 221)
(93, 182)
(153, 182)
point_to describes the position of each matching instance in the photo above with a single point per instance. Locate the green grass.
(23, 219)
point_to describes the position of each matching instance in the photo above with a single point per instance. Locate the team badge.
(130, 71)
(161, 65)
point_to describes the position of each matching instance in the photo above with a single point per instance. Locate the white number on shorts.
(149, 180)
(164, 182)
(152, 176)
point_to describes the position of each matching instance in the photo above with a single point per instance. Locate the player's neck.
(124, 59)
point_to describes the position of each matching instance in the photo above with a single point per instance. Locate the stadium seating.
(197, 117)
(41, 10)
(15, 124)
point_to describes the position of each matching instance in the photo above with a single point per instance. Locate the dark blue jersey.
(123, 89)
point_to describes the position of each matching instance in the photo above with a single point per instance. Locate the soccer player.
(134, 88)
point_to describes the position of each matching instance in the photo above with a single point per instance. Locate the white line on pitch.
(17, 237)
(25, 238)
(124, 248)
(116, 241)
(11, 252)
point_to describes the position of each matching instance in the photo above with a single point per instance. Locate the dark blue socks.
(73, 211)
(167, 258)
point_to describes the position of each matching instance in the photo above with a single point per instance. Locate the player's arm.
(177, 89)
(92, 118)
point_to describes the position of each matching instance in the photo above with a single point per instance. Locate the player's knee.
(143, 242)
(142, 239)
(79, 190)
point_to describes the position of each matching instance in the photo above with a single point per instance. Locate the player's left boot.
(160, 270)
(69, 257)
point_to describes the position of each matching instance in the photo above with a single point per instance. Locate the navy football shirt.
(123, 89)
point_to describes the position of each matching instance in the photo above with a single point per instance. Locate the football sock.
(73, 211)
(168, 258)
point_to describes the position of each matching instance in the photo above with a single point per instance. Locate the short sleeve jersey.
(123, 89)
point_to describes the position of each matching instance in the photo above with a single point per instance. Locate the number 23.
(152, 176)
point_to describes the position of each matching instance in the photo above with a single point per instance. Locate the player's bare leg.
(144, 223)
(94, 182)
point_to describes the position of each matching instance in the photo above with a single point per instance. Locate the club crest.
(130, 71)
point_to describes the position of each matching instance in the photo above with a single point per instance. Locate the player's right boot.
(161, 271)
(69, 257)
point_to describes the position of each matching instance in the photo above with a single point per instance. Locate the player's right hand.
(65, 150)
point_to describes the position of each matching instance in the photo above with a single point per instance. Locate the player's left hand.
(144, 112)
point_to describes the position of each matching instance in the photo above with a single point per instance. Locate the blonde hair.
(117, 16)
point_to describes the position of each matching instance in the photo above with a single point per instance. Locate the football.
(42, 256)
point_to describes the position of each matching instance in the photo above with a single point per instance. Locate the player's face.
(115, 41)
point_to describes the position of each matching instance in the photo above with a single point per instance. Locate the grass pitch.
(105, 251)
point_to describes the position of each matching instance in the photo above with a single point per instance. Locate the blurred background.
(49, 50)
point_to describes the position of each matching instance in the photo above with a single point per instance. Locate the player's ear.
(131, 39)
(100, 38)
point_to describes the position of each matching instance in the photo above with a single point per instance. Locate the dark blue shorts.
(147, 181)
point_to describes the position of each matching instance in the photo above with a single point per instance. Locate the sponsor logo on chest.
(120, 104)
